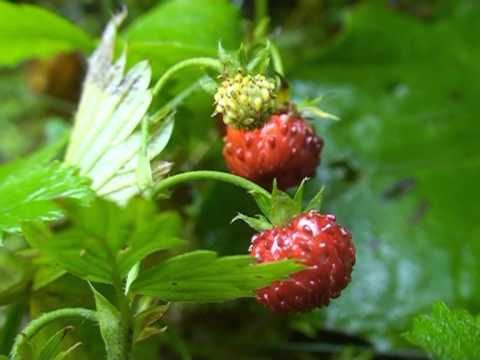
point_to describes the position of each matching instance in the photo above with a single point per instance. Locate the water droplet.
(240, 154)
(272, 141)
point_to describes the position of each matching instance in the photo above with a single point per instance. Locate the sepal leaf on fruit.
(260, 62)
(280, 207)
(309, 108)
(259, 222)
(284, 208)
(316, 202)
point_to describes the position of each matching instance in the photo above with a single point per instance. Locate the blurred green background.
(401, 168)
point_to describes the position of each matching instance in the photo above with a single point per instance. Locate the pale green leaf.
(106, 143)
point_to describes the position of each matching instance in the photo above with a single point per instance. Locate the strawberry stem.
(38, 324)
(205, 62)
(211, 175)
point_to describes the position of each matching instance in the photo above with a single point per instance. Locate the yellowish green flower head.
(246, 101)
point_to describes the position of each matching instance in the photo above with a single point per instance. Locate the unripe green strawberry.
(245, 101)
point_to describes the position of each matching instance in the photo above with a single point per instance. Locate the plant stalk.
(11, 327)
(211, 175)
(261, 10)
(194, 62)
(38, 324)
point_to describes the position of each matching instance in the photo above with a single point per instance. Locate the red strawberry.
(285, 148)
(318, 242)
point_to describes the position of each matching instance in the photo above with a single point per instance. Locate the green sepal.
(318, 113)
(263, 202)
(64, 354)
(230, 61)
(144, 323)
(242, 56)
(260, 62)
(284, 208)
(316, 202)
(298, 197)
(51, 349)
(260, 31)
(280, 208)
(310, 108)
(245, 61)
(208, 84)
(259, 223)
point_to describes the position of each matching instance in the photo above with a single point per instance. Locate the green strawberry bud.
(246, 101)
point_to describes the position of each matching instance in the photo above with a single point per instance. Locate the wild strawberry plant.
(91, 214)
(108, 234)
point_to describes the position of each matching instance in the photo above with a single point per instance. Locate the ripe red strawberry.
(318, 242)
(286, 148)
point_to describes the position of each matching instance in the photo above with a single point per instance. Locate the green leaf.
(105, 238)
(181, 29)
(447, 334)
(51, 349)
(202, 276)
(46, 274)
(109, 319)
(27, 196)
(24, 25)
(28, 186)
(15, 274)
